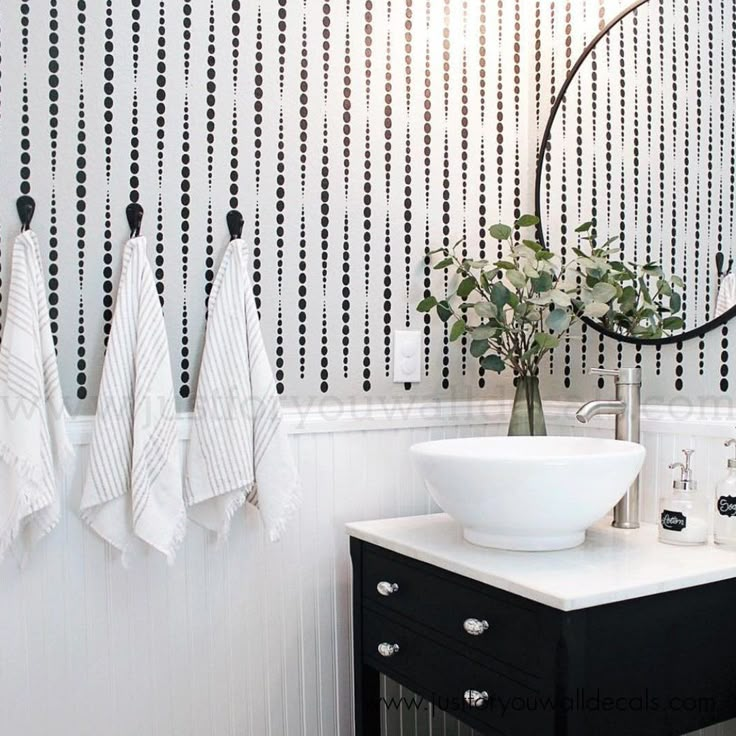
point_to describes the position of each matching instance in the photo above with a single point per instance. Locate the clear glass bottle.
(684, 513)
(724, 523)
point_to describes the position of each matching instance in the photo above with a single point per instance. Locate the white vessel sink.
(527, 493)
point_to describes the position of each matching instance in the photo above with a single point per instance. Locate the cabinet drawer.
(446, 603)
(446, 678)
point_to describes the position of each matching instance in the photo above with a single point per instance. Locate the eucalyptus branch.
(526, 304)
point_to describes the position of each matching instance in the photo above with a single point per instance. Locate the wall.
(249, 639)
(352, 135)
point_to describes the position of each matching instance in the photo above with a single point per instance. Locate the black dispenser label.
(726, 505)
(673, 521)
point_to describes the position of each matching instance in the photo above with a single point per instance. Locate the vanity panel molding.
(659, 659)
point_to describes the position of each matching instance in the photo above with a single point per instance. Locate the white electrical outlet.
(407, 356)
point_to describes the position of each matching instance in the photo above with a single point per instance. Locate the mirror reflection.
(642, 142)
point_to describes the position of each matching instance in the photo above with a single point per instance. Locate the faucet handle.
(630, 376)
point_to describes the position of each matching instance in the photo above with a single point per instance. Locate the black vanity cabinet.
(504, 664)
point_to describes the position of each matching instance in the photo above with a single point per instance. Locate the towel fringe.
(291, 506)
(179, 533)
(12, 531)
(236, 502)
(27, 470)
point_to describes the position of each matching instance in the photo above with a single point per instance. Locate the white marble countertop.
(612, 565)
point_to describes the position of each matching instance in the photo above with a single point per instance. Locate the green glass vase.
(527, 415)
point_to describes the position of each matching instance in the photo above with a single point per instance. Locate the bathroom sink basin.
(527, 493)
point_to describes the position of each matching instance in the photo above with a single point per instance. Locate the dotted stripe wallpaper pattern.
(353, 136)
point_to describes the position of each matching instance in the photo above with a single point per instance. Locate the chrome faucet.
(627, 409)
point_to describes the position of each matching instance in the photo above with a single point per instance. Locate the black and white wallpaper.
(353, 136)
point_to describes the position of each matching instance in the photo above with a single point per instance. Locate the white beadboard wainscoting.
(252, 638)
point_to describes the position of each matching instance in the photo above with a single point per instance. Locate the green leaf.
(500, 232)
(672, 323)
(466, 287)
(444, 263)
(596, 310)
(427, 304)
(558, 320)
(664, 288)
(516, 278)
(627, 302)
(493, 363)
(533, 350)
(646, 294)
(505, 264)
(536, 247)
(527, 221)
(542, 284)
(478, 348)
(675, 302)
(584, 227)
(443, 310)
(546, 341)
(458, 330)
(526, 312)
(484, 332)
(485, 310)
(560, 298)
(603, 292)
(652, 268)
(499, 295)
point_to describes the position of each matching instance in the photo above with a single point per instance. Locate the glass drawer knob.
(476, 698)
(387, 650)
(474, 626)
(385, 588)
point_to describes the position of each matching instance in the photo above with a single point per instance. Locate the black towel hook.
(235, 224)
(26, 206)
(720, 261)
(134, 213)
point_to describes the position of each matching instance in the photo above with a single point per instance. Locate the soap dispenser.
(684, 513)
(724, 525)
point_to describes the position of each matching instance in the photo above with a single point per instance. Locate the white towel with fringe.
(133, 488)
(34, 446)
(238, 449)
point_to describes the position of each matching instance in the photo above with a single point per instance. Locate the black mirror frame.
(698, 332)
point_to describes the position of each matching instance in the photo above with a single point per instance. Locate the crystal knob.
(474, 626)
(385, 588)
(476, 698)
(387, 650)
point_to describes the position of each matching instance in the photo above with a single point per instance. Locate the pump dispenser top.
(686, 482)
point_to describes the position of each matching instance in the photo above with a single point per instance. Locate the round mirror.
(642, 143)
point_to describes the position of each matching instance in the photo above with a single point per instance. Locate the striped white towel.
(238, 448)
(133, 487)
(34, 446)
